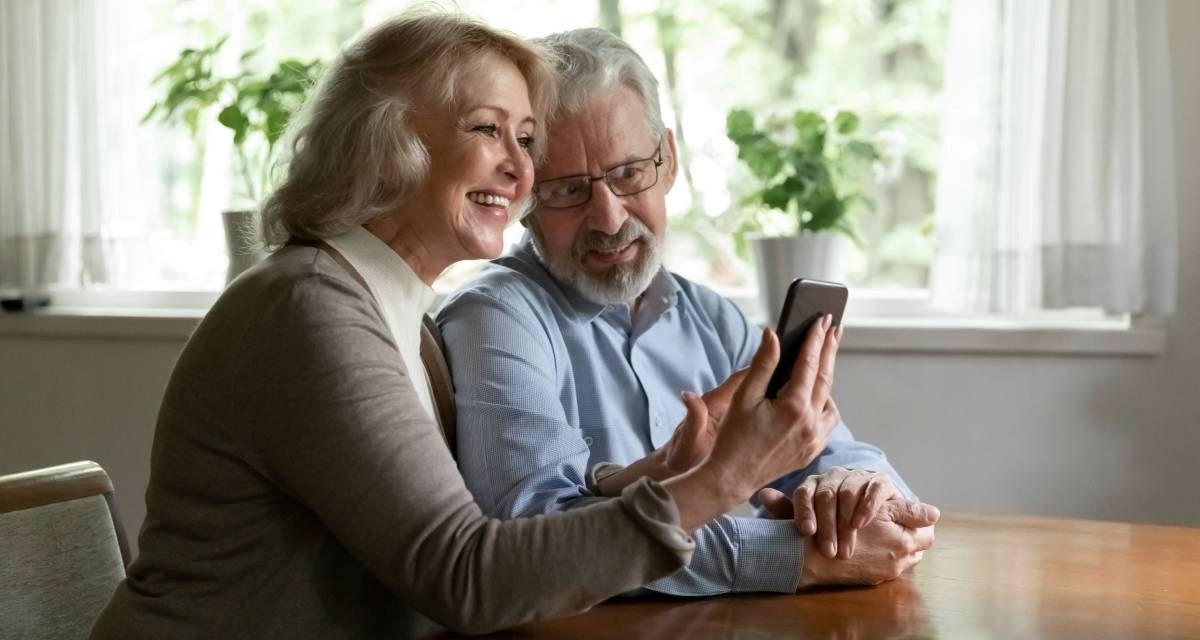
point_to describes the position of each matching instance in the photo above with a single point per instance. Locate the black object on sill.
(24, 303)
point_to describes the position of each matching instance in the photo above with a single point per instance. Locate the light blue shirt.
(549, 384)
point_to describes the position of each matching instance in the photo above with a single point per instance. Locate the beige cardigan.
(295, 491)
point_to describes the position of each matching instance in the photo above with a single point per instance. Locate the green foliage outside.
(255, 107)
(812, 171)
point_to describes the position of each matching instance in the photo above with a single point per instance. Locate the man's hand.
(887, 547)
(694, 437)
(833, 506)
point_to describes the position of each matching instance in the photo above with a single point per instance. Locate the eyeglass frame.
(657, 157)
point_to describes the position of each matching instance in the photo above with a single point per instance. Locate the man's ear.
(670, 159)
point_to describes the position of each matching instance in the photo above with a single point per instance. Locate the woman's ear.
(670, 159)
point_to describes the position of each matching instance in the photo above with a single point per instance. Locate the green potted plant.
(255, 107)
(809, 172)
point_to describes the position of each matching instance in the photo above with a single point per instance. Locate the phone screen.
(807, 301)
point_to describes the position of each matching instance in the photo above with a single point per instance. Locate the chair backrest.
(62, 551)
(441, 385)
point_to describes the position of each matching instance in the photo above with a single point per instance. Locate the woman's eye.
(487, 129)
(526, 142)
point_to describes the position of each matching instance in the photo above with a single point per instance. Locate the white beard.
(620, 283)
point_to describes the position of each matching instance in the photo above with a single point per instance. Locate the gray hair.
(354, 156)
(591, 61)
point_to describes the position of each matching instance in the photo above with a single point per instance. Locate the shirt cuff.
(654, 510)
(770, 556)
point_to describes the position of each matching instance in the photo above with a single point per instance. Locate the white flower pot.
(241, 242)
(781, 259)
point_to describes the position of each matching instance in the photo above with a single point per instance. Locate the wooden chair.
(62, 551)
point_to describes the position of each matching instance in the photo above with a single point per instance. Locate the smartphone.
(807, 302)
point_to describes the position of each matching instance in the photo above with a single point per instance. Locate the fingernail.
(827, 320)
(838, 332)
(830, 550)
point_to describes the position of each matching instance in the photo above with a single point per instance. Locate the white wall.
(1098, 437)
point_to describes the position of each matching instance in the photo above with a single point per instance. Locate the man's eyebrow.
(501, 110)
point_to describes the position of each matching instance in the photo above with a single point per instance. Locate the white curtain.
(56, 189)
(1056, 187)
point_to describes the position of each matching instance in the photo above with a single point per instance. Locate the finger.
(759, 374)
(721, 395)
(696, 419)
(808, 362)
(913, 515)
(823, 386)
(846, 543)
(802, 504)
(848, 499)
(776, 503)
(825, 504)
(879, 488)
(923, 538)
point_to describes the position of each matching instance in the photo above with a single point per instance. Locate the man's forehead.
(609, 130)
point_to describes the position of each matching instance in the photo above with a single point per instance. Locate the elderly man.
(571, 353)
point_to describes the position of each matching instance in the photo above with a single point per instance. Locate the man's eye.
(568, 188)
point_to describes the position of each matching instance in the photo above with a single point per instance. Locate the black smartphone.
(807, 301)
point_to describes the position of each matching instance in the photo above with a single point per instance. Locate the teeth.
(488, 199)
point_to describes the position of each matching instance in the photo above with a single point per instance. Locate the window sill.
(1140, 338)
(1070, 337)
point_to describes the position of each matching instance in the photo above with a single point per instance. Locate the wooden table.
(987, 577)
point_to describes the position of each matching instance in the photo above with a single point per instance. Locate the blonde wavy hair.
(353, 155)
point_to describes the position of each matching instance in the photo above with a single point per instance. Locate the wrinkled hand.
(694, 437)
(887, 546)
(833, 506)
(762, 439)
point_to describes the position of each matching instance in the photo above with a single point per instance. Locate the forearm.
(652, 466)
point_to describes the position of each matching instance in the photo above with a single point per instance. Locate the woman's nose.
(518, 165)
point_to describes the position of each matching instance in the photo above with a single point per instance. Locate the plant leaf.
(845, 122)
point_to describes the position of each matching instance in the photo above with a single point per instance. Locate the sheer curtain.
(57, 166)
(1056, 187)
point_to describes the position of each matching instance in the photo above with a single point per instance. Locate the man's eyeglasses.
(623, 180)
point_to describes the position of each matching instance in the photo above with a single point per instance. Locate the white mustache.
(631, 231)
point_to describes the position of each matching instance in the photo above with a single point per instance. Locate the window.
(883, 59)
(710, 57)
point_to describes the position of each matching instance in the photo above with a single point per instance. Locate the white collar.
(391, 280)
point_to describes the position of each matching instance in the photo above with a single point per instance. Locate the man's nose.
(605, 212)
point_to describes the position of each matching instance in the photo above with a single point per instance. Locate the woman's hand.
(764, 439)
(761, 439)
(694, 437)
(689, 445)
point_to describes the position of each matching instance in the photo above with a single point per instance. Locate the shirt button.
(588, 441)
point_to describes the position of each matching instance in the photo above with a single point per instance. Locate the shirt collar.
(661, 294)
(391, 280)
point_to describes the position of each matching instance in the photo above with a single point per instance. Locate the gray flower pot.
(781, 259)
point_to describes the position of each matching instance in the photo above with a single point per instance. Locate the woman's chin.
(485, 248)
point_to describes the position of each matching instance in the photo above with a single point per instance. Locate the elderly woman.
(299, 485)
